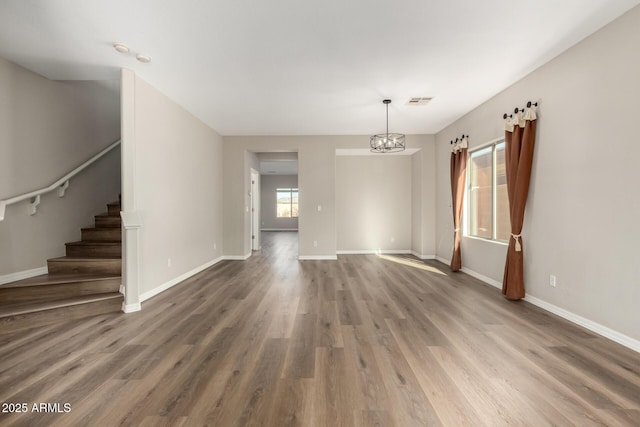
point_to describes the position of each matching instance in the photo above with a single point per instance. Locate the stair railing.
(61, 185)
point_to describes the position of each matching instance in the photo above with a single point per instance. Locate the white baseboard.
(317, 257)
(482, 277)
(373, 251)
(422, 256)
(599, 329)
(442, 260)
(21, 275)
(278, 229)
(237, 257)
(153, 292)
(131, 308)
(616, 336)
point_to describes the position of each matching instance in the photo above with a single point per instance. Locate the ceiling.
(278, 163)
(313, 67)
(289, 167)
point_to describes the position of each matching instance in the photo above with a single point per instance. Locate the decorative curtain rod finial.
(517, 110)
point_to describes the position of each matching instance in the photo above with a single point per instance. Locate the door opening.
(255, 210)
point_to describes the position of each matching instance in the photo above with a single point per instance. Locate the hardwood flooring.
(364, 341)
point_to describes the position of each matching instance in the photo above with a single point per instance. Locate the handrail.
(61, 185)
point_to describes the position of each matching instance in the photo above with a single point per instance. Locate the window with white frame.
(487, 198)
(286, 202)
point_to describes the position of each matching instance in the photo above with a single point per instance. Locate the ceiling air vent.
(418, 101)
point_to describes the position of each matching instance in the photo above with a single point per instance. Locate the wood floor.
(364, 341)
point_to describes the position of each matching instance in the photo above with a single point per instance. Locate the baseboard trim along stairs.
(86, 282)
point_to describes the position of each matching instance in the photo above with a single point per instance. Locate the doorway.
(278, 188)
(255, 210)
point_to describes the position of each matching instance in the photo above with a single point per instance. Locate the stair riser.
(96, 251)
(108, 222)
(52, 292)
(102, 235)
(40, 318)
(87, 266)
(113, 210)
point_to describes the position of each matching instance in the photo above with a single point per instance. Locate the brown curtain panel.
(520, 133)
(458, 178)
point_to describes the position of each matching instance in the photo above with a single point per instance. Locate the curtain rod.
(529, 104)
(461, 138)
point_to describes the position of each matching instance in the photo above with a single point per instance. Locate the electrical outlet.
(552, 280)
(215, 246)
(168, 262)
(393, 239)
(315, 243)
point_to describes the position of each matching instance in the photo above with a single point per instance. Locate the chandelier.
(387, 142)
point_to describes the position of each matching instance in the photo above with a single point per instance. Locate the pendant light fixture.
(387, 142)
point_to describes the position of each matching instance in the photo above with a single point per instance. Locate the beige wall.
(316, 181)
(582, 213)
(268, 186)
(423, 200)
(177, 190)
(316, 159)
(47, 128)
(373, 203)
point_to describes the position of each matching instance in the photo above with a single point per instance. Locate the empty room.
(362, 213)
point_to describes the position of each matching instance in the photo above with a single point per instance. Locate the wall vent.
(419, 101)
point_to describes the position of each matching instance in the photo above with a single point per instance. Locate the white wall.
(47, 128)
(581, 222)
(176, 189)
(268, 217)
(316, 181)
(373, 203)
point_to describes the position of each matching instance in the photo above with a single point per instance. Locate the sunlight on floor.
(411, 263)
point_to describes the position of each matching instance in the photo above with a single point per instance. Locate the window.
(286, 202)
(488, 202)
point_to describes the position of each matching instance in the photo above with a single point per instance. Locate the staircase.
(83, 283)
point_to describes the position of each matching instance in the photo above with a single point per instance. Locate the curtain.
(458, 178)
(520, 132)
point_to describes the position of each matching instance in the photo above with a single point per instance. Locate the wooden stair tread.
(105, 215)
(107, 221)
(93, 243)
(56, 279)
(82, 264)
(101, 234)
(87, 259)
(91, 248)
(52, 305)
